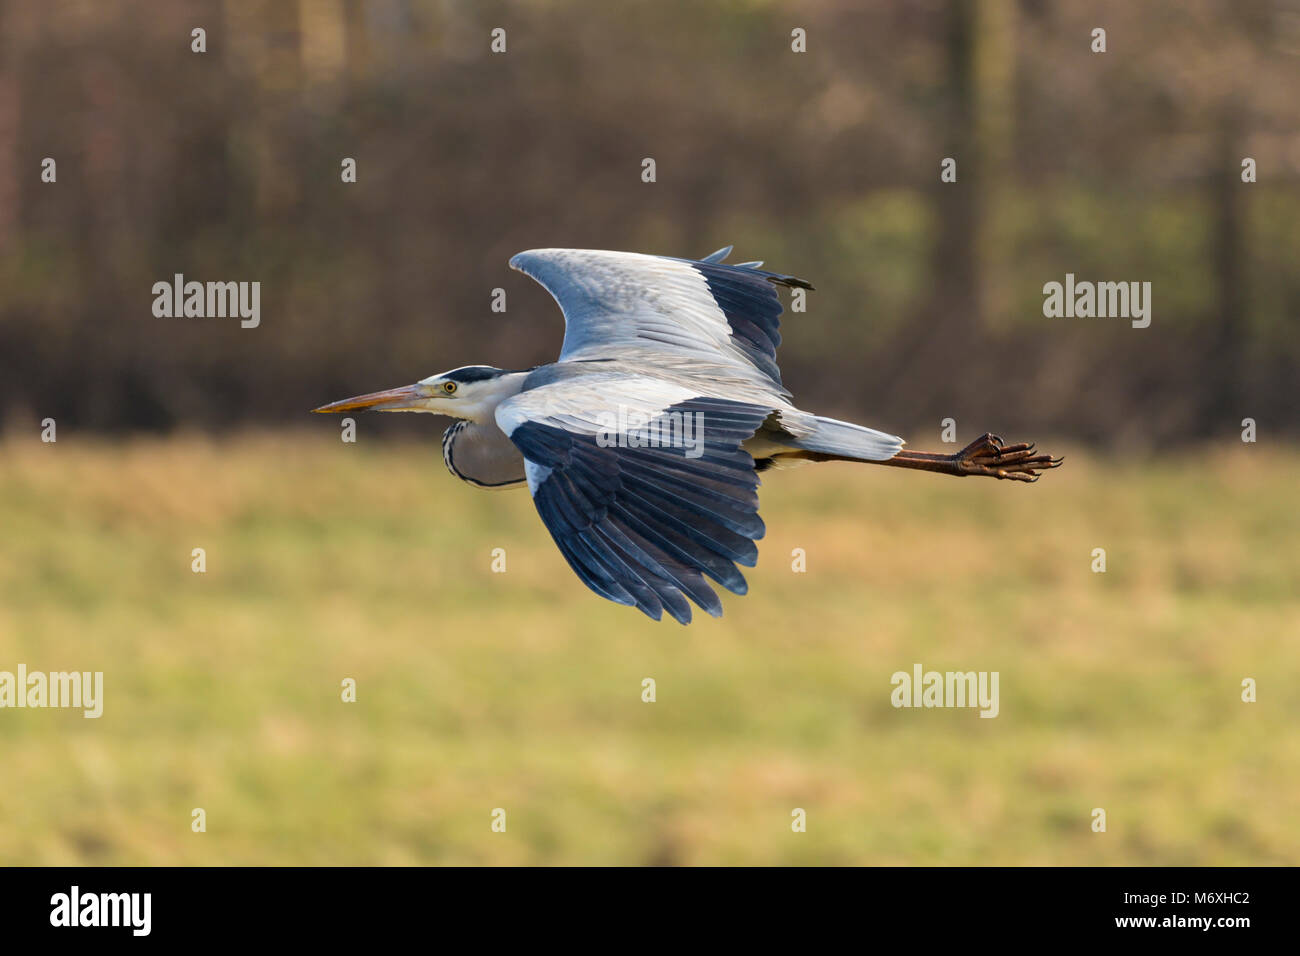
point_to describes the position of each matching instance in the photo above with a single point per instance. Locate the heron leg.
(987, 455)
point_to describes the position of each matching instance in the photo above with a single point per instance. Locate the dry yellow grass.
(522, 690)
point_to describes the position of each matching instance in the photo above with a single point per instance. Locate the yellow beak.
(408, 398)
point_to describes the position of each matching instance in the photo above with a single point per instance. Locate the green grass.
(523, 690)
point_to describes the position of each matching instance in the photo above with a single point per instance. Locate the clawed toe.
(987, 455)
(990, 456)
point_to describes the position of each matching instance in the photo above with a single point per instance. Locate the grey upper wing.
(619, 304)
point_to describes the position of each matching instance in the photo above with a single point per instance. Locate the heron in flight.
(642, 445)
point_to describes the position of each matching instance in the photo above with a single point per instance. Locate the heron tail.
(833, 440)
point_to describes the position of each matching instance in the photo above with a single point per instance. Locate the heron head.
(471, 392)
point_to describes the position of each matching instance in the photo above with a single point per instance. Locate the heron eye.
(449, 388)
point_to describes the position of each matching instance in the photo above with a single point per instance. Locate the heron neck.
(482, 455)
(488, 396)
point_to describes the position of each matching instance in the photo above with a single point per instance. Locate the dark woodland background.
(225, 166)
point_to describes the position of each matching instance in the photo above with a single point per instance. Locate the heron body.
(642, 444)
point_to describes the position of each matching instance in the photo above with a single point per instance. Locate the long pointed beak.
(408, 398)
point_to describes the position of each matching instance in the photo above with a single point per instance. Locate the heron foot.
(988, 455)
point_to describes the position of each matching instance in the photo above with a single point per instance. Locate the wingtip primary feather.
(792, 282)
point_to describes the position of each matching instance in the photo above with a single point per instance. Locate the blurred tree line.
(225, 165)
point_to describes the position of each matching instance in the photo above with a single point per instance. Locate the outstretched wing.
(643, 485)
(625, 304)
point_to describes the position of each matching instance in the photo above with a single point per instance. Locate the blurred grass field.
(522, 690)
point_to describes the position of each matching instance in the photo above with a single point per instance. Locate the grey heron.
(642, 444)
